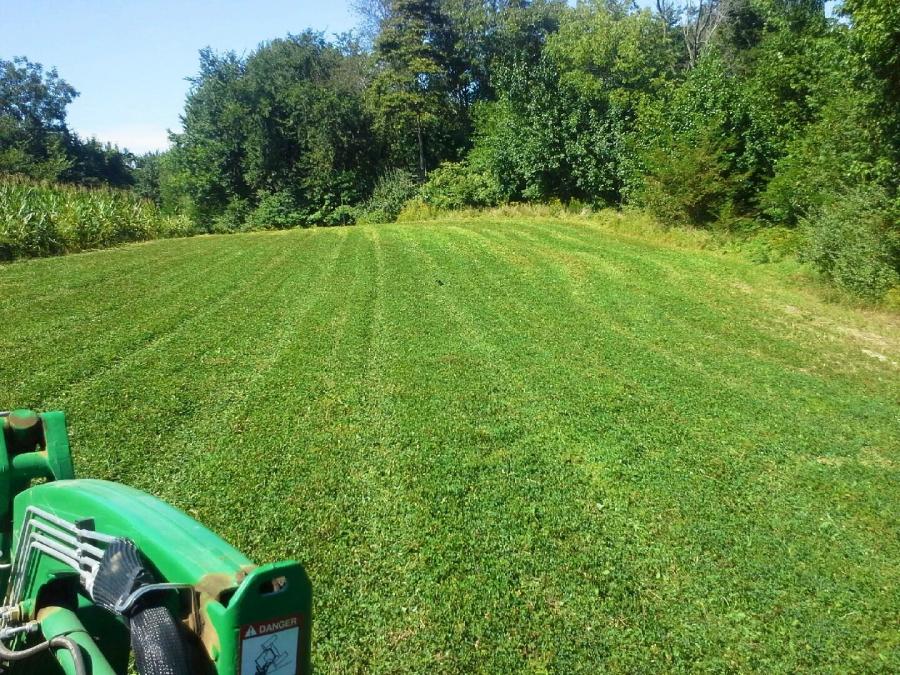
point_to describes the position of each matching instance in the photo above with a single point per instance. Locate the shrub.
(689, 183)
(176, 226)
(341, 215)
(416, 209)
(276, 211)
(392, 191)
(457, 185)
(576, 207)
(772, 244)
(233, 218)
(854, 241)
(831, 157)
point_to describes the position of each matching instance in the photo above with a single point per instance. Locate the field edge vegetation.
(43, 218)
(60, 219)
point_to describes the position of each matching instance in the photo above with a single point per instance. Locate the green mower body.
(111, 570)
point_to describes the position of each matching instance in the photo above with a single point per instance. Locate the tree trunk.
(422, 173)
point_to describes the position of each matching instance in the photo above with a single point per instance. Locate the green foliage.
(208, 155)
(410, 93)
(276, 211)
(876, 29)
(94, 163)
(33, 119)
(834, 155)
(342, 215)
(148, 176)
(854, 241)
(689, 181)
(175, 225)
(391, 192)
(34, 138)
(459, 185)
(288, 120)
(417, 210)
(233, 217)
(612, 56)
(39, 219)
(560, 129)
(696, 151)
(773, 244)
(499, 445)
(877, 25)
(499, 149)
(727, 116)
(756, 101)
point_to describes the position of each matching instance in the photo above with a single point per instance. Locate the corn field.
(41, 219)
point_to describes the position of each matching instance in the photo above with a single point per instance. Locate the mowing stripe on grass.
(498, 446)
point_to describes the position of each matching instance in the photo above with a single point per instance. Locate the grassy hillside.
(496, 445)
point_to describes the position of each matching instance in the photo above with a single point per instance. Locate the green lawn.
(497, 446)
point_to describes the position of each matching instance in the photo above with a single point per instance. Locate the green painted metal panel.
(181, 549)
(241, 614)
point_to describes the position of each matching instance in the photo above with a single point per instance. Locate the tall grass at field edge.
(43, 218)
(625, 221)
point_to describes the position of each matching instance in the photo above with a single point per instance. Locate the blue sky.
(129, 58)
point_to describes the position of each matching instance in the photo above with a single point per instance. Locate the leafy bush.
(341, 215)
(233, 218)
(392, 191)
(177, 226)
(458, 185)
(831, 157)
(416, 210)
(854, 241)
(39, 218)
(276, 211)
(772, 244)
(688, 182)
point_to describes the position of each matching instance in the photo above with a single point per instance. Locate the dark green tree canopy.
(32, 97)
(411, 91)
(33, 131)
(288, 120)
(34, 137)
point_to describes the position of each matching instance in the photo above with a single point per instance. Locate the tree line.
(729, 114)
(35, 140)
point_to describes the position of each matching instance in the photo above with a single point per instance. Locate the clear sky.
(129, 58)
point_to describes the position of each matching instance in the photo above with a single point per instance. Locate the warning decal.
(271, 647)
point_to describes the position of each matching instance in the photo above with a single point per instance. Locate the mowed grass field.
(497, 446)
